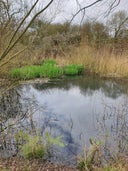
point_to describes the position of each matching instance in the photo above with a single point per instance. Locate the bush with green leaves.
(73, 69)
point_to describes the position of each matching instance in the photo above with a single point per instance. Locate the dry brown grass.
(100, 61)
(21, 164)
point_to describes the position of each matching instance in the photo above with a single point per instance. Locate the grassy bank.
(102, 62)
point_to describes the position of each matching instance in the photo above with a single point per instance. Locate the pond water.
(77, 109)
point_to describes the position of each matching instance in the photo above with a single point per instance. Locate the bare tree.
(9, 18)
(118, 24)
(14, 39)
(8, 12)
(113, 4)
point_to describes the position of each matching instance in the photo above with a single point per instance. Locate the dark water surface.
(77, 109)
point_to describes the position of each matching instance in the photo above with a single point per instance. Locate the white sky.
(69, 7)
(63, 10)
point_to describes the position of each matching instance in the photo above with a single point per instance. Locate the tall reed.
(101, 61)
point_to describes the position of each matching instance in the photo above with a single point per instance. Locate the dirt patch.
(21, 164)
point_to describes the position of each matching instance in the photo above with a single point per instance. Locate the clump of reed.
(101, 62)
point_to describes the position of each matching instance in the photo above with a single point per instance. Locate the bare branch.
(13, 56)
(114, 4)
(83, 9)
(10, 47)
(119, 27)
(13, 36)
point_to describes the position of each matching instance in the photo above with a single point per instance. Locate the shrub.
(73, 69)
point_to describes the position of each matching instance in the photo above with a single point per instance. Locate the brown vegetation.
(100, 62)
(20, 164)
(92, 45)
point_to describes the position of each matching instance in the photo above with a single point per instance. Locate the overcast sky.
(98, 11)
(63, 10)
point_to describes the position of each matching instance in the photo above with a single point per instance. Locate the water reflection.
(12, 113)
(87, 85)
(75, 108)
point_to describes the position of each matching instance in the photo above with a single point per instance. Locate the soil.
(21, 164)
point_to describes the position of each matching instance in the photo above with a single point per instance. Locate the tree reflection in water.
(112, 127)
(72, 108)
(12, 114)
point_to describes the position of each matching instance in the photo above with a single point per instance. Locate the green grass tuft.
(51, 71)
(73, 69)
(33, 148)
(49, 62)
(27, 72)
(48, 69)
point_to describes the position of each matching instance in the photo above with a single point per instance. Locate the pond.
(75, 108)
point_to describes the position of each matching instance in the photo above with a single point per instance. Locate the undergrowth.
(48, 69)
(36, 146)
(93, 159)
